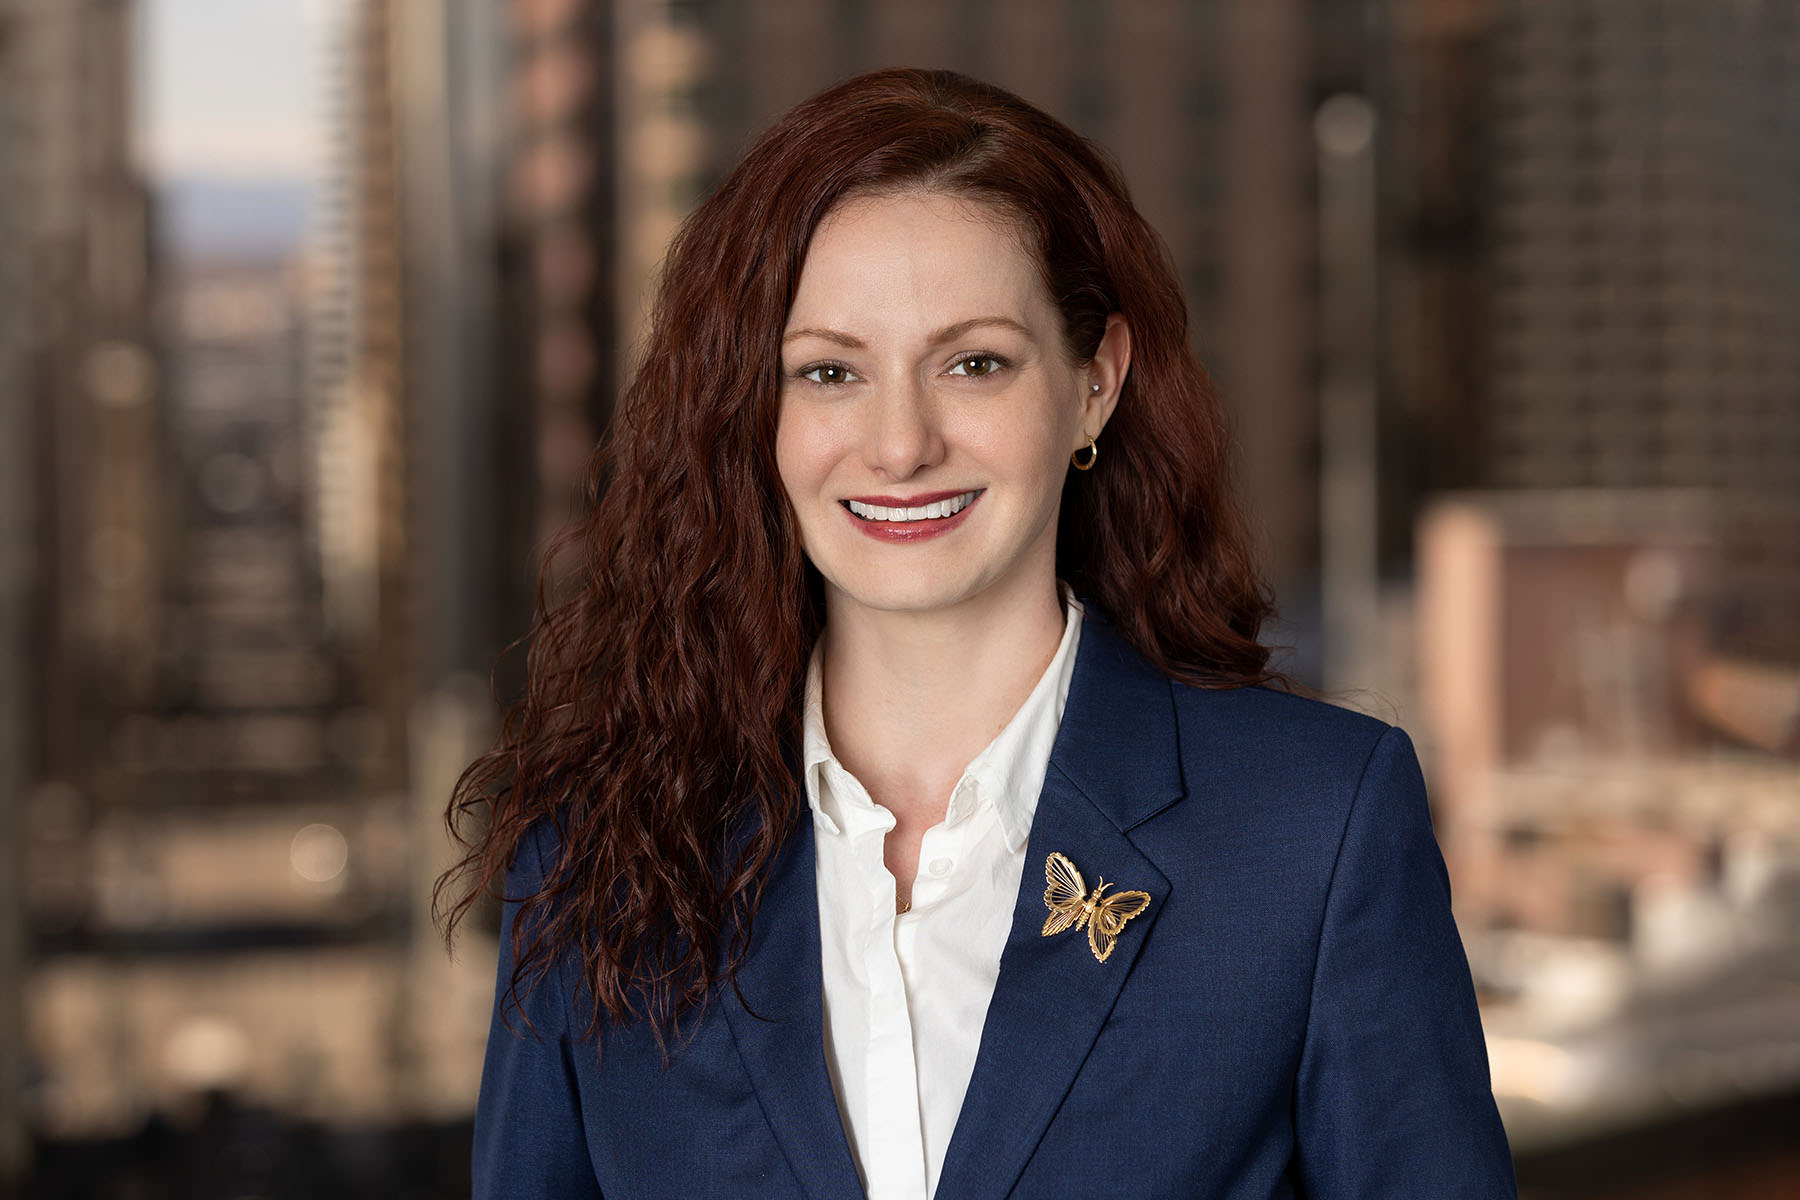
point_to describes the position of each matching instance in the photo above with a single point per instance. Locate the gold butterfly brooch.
(1071, 903)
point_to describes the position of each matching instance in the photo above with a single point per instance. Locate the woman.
(844, 850)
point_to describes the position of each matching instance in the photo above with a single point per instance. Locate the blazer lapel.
(1115, 763)
(781, 1034)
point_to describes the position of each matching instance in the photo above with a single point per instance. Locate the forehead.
(918, 257)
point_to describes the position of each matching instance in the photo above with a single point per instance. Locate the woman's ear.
(1105, 377)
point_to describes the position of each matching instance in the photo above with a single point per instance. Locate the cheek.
(790, 457)
(1029, 444)
(804, 453)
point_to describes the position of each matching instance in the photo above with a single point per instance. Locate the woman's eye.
(827, 373)
(977, 365)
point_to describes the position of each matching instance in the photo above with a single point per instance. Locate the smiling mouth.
(936, 511)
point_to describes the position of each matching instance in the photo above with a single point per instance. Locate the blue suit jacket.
(1291, 1016)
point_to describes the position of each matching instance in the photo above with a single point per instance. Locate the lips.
(910, 518)
(934, 507)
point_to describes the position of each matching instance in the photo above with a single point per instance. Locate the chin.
(901, 596)
(930, 582)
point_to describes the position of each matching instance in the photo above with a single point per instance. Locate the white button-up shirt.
(905, 996)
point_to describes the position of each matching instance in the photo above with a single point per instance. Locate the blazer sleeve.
(530, 1143)
(1393, 1097)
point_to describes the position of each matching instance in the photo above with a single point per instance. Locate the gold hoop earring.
(1093, 452)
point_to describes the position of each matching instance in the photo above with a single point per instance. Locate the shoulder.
(1255, 749)
(528, 916)
(1271, 755)
(1268, 742)
(534, 856)
(1260, 722)
(1235, 722)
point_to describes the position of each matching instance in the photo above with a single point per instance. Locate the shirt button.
(941, 866)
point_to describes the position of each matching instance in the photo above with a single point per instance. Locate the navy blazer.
(1291, 1016)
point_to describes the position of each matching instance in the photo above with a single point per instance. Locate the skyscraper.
(80, 518)
(358, 398)
(1646, 269)
(83, 217)
(17, 558)
(1600, 282)
(568, 203)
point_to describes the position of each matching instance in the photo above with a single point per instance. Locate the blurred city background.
(311, 311)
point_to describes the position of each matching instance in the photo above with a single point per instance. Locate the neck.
(911, 698)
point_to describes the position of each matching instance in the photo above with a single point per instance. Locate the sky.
(230, 87)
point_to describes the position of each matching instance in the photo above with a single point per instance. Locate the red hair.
(659, 725)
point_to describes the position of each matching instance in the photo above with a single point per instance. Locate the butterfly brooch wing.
(1065, 892)
(1108, 920)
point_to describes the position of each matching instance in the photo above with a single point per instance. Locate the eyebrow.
(947, 333)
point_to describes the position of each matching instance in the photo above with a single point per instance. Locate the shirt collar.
(1009, 771)
(816, 755)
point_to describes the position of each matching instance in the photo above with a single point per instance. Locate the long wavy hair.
(659, 726)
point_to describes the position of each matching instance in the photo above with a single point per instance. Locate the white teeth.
(935, 511)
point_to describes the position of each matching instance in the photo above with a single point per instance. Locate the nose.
(902, 437)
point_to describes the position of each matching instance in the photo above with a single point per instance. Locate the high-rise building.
(17, 559)
(1600, 281)
(93, 378)
(567, 201)
(469, 536)
(81, 529)
(1645, 265)
(475, 496)
(358, 398)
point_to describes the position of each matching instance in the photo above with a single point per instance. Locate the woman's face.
(929, 407)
